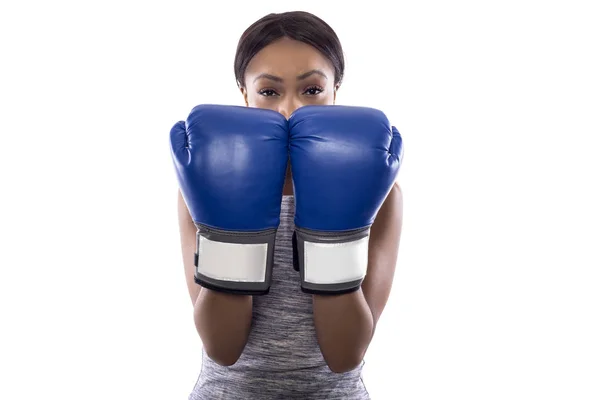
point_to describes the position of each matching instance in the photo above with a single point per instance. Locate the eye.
(313, 91)
(267, 92)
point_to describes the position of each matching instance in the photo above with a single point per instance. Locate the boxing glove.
(230, 163)
(344, 163)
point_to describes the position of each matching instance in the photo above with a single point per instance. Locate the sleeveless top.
(282, 359)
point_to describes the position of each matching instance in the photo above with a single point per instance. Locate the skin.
(282, 77)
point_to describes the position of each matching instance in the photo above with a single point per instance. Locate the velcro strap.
(331, 263)
(234, 262)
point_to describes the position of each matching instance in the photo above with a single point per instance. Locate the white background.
(496, 294)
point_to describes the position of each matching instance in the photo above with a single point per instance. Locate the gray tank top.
(282, 359)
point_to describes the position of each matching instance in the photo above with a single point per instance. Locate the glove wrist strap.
(236, 262)
(331, 262)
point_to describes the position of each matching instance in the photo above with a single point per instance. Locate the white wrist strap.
(329, 263)
(232, 261)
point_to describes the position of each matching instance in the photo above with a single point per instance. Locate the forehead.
(288, 58)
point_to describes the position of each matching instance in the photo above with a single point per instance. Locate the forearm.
(223, 322)
(344, 327)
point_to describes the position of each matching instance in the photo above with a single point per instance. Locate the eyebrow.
(311, 72)
(298, 78)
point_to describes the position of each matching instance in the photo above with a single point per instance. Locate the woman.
(289, 344)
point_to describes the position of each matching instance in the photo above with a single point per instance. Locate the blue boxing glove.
(344, 163)
(230, 163)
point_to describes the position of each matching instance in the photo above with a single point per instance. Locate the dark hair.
(297, 25)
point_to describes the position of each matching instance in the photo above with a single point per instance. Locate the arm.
(222, 320)
(345, 324)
